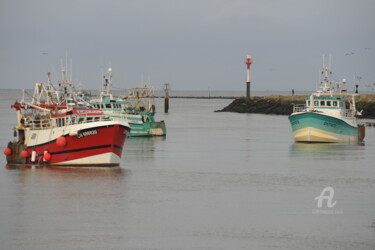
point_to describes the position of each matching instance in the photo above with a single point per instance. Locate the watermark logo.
(326, 195)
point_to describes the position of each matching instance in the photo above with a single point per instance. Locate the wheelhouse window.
(316, 103)
(334, 103)
(328, 103)
(108, 105)
(322, 103)
(60, 122)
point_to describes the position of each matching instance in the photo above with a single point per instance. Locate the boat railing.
(62, 122)
(40, 124)
(81, 119)
(347, 112)
(299, 108)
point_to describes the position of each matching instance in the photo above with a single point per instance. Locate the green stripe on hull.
(139, 129)
(322, 122)
(128, 119)
(146, 128)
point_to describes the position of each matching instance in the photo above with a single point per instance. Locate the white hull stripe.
(102, 159)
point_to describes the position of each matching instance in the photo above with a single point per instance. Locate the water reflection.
(141, 149)
(57, 207)
(92, 172)
(327, 151)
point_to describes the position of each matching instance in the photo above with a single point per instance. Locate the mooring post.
(166, 97)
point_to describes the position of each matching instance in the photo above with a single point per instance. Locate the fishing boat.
(329, 115)
(58, 129)
(137, 107)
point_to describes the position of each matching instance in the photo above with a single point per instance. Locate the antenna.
(62, 64)
(329, 62)
(102, 79)
(66, 60)
(71, 69)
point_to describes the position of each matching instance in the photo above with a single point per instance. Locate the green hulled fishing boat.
(329, 115)
(137, 107)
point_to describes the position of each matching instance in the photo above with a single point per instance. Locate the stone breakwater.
(283, 105)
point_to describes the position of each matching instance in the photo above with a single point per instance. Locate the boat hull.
(141, 128)
(147, 129)
(314, 127)
(91, 146)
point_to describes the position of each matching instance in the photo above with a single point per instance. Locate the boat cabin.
(319, 102)
(75, 116)
(109, 105)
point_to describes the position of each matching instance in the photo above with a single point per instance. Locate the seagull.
(349, 53)
(367, 48)
(44, 53)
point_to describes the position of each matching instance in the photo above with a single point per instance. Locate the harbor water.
(217, 181)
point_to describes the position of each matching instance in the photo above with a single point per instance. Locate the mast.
(326, 84)
(107, 92)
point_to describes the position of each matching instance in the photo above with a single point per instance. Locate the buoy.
(47, 156)
(44, 153)
(61, 141)
(7, 151)
(33, 155)
(24, 154)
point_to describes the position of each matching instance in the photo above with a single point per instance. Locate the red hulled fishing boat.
(57, 129)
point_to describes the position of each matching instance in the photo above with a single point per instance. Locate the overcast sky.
(193, 45)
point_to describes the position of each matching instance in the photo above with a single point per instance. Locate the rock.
(259, 105)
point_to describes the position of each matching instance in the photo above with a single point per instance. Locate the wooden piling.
(361, 133)
(166, 97)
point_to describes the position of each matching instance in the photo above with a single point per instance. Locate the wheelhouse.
(325, 102)
(110, 105)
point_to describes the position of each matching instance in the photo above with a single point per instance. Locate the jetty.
(283, 105)
(203, 97)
